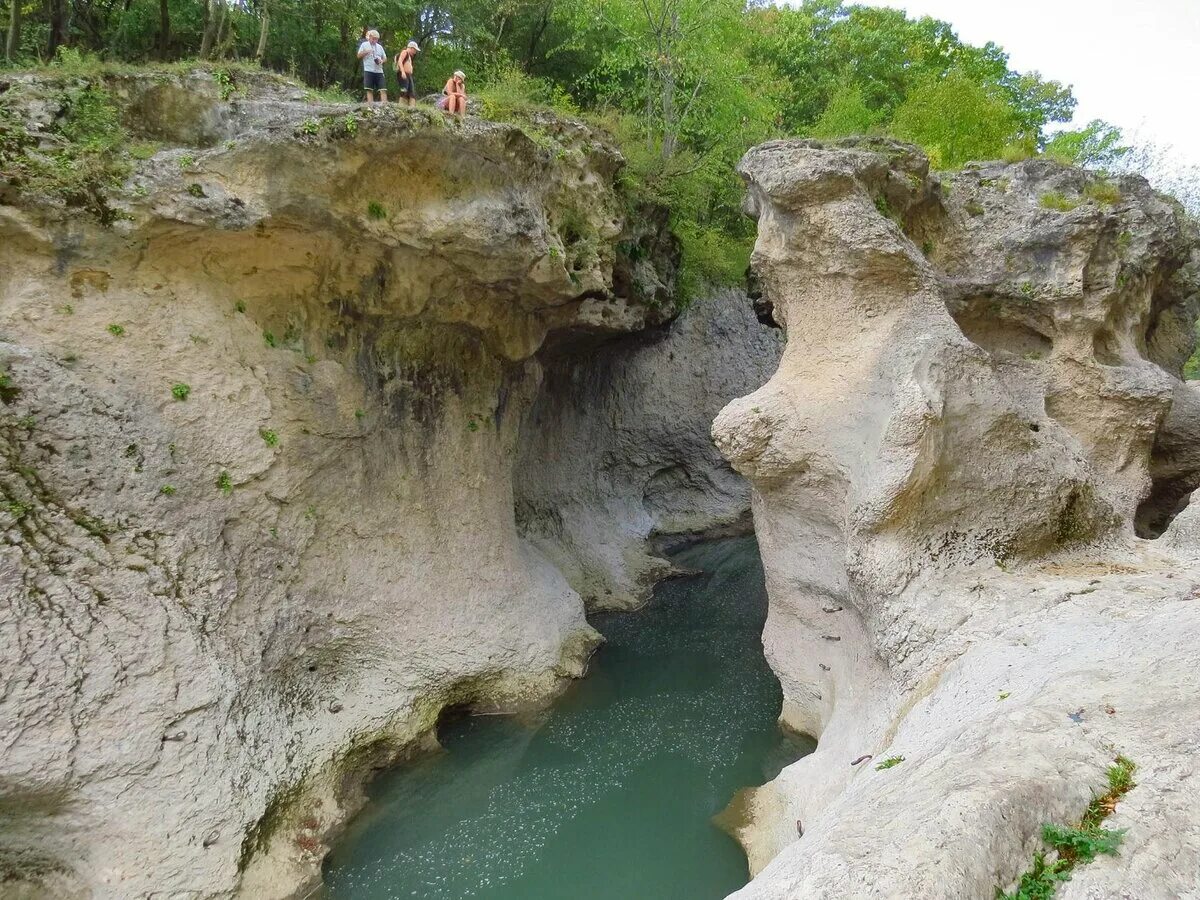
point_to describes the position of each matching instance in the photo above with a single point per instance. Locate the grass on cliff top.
(1076, 845)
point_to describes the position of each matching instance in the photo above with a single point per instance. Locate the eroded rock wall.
(946, 470)
(258, 499)
(618, 448)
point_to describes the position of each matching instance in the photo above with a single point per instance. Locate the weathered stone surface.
(618, 448)
(259, 436)
(946, 469)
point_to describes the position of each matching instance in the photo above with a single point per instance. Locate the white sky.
(1135, 63)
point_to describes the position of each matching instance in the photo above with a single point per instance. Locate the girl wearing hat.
(455, 99)
(404, 72)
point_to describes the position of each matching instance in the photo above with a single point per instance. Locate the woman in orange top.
(455, 99)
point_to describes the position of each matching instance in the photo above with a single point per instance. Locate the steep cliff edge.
(946, 470)
(263, 395)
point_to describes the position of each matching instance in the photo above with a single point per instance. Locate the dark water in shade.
(610, 795)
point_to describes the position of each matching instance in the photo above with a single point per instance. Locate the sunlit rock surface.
(947, 467)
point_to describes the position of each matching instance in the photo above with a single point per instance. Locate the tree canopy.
(686, 85)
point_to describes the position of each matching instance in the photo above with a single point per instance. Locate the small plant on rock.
(195, 190)
(890, 762)
(167, 490)
(225, 483)
(270, 438)
(180, 391)
(309, 127)
(1103, 192)
(376, 211)
(240, 306)
(116, 330)
(187, 161)
(269, 339)
(1076, 845)
(1057, 201)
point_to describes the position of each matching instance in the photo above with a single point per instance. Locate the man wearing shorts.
(372, 54)
(404, 72)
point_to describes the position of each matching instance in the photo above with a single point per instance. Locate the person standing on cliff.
(455, 99)
(373, 55)
(404, 72)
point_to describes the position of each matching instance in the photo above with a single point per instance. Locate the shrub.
(180, 391)
(116, 330)
(509, 93)
(225, 483)
(270, 438)
(1057, 201)
(167, 490)
(1103, 192)
(376, 211)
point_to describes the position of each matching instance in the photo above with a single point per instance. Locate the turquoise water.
(609, 795)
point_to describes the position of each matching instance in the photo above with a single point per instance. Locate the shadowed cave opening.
(611, 792)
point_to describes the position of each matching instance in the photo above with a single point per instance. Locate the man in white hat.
(404, 72)
(372, 54)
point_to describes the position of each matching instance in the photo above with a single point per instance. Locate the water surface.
(610, 795)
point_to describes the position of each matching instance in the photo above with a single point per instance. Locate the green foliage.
(359, 414)
(1096, 145)
(116, 330)
(143, 150)
(846, 113)
(1103, 192)
(167, 490)
(309, 127)
(269, 339)
(86, 162)
(8, 388)
(195, 190)
(956, 120)
(225, 483)
(1082, 844)
(270, 438)
(509, 94)
(240, 306)
(1057, 201)
(376, 211)
(889, 763)
(187, 161)
(1076, 845)
(180, 391)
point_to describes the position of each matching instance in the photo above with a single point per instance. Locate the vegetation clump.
(889, 763)
(181, 391)
(1057, 201)
(1075, 845)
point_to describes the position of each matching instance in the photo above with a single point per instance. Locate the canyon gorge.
(321, 422)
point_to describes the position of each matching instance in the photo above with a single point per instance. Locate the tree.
(956, 120)
(1097, 144)
(12, 42)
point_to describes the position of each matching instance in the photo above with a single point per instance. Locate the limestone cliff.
(946, 470)
(618, 449)
(262, 402)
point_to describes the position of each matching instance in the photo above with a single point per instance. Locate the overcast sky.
(1135, 63)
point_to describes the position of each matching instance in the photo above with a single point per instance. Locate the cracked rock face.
(946, 470)
(257, 493)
